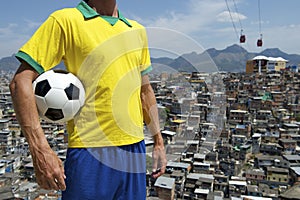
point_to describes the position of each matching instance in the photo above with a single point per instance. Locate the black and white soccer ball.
(59, 95)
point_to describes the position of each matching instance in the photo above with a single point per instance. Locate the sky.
(175, 26)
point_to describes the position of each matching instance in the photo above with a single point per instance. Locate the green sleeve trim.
(27, 58)
(146, 71)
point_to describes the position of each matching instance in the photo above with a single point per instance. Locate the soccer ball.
(59, 95)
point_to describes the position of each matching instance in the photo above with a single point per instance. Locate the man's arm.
(151, 118)
(48, 167)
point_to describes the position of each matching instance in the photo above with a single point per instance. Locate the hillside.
(9, 63)
(230, 59)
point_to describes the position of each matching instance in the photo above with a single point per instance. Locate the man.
(109, 54)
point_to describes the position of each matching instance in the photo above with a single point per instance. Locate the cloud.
(171, 43)
(13, 36)
(7, 31)
(31, 25)
(264, 22)
(196, 25)
(199, 15)
(208, 23)
(178, 27)
(286, 37)
(229, 17)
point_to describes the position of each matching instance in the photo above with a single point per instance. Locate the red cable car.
(242, 39)
(259, 41)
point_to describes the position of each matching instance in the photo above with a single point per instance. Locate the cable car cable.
(259, 41)
(234, 27)
(259, 16)
(237, 12)
(242, 36)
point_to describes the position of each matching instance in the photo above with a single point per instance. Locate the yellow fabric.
(109, 61)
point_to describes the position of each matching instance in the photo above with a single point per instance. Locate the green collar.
(89, 13)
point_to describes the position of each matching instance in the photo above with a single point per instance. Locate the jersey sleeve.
(45, 49)
(145, 61)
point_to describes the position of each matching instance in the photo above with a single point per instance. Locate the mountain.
(12, 63)
(234, 58)
(9, 63)
(231, 59)
(275, 52)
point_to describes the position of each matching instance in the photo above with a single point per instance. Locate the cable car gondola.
(259, 42)
(242, 37)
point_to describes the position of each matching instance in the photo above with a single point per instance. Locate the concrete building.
(263, 64)
(277, 175)
(165, 187)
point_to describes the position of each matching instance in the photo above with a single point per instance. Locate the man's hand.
(159, 157)
(49, 169)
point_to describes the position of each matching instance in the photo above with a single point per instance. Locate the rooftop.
(165, 182)
(277, 59)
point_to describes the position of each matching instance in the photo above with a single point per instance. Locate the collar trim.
(89, 13)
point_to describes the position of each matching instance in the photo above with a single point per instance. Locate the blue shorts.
(106, 173)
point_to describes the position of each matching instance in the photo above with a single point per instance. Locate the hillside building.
(263, 64)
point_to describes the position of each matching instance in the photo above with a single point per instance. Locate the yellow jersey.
(109, 55)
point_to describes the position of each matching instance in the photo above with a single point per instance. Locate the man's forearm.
(25, 107)
(151, 118)
(150, 111)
